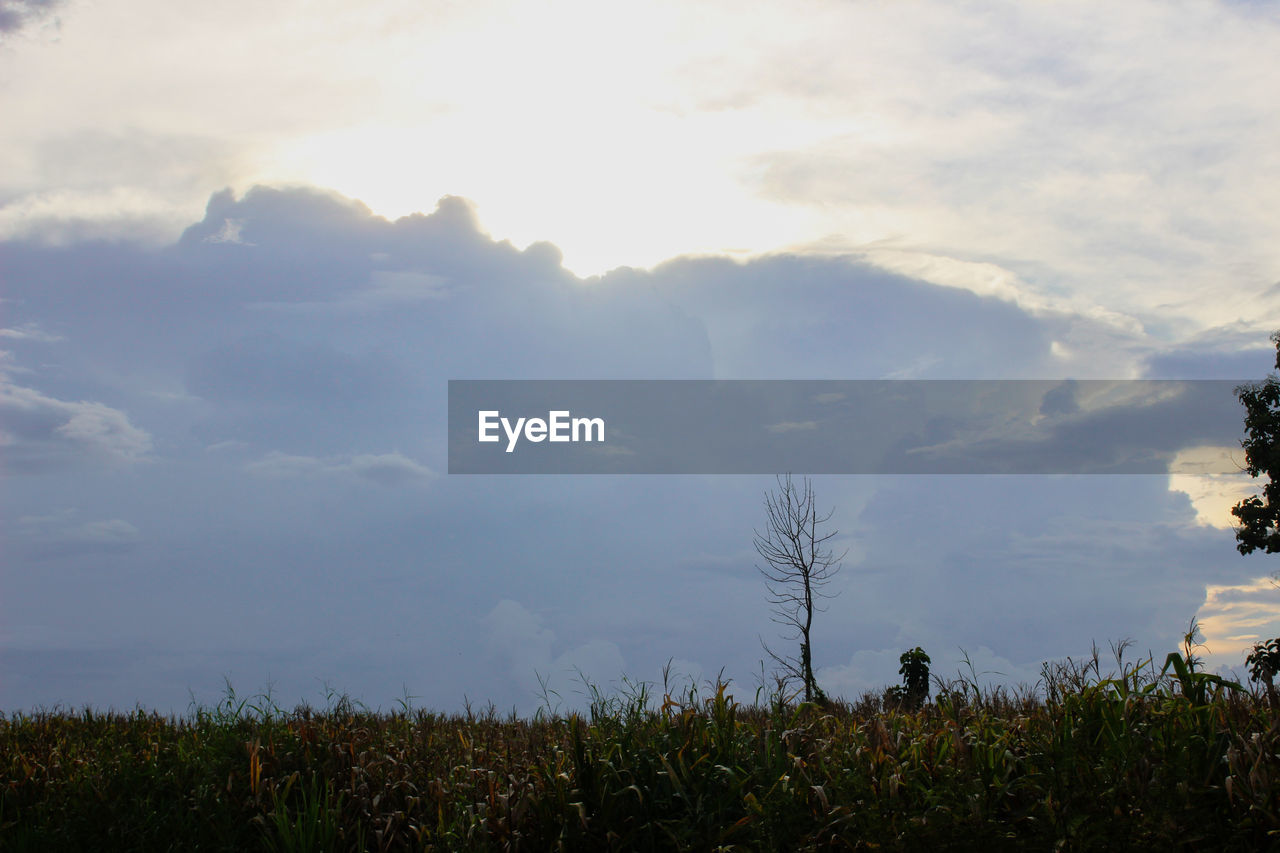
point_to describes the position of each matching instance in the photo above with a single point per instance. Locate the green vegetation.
(915, 679)
(1139, 758)
(1259, 515)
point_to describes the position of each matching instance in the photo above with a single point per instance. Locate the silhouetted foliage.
(1260, 515)
(915, 677)
(1264, 663)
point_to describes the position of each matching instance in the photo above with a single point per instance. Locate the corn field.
(1168, 759)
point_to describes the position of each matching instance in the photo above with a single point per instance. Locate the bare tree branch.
(797, 565)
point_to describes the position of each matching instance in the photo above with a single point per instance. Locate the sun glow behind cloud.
(677, 202)
(1234, 617)
(1212, 495)
(1095, 158)
(583, 124)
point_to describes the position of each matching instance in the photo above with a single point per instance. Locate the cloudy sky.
(244, 247)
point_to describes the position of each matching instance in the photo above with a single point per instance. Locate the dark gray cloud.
(16, 14)
(248, 431)
(1061, 400)
(795, 317)
(1246, 364)
(266, 369)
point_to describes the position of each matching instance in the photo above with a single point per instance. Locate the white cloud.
(1234, 617)
(61, 217)
(113, 532)
(58, 534)
(230, 233)
(791, 426)
(228, 445)
(42, 431)
(30, 332)
(389, 469)
(105, 430)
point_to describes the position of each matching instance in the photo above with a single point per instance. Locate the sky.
(244, 247)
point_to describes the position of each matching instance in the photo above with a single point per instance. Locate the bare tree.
(797, 565)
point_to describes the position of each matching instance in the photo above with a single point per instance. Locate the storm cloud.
(242, 436)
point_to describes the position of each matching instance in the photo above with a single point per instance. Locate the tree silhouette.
(915, 676)
(1264, 662)
(797, 565)
(1260, 515)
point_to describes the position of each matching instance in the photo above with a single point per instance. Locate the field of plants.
(1139, 758)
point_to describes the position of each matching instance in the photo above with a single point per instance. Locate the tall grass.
(1142, 757)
